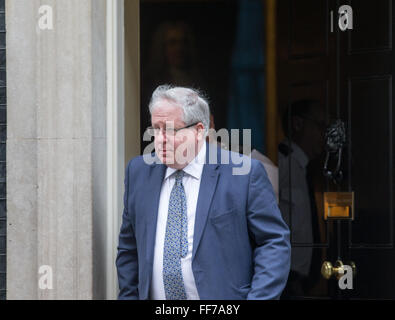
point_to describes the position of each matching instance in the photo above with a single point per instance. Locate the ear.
(200, 130)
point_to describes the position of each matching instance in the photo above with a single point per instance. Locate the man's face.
(316, 131)
(174, 148)
(309, 131)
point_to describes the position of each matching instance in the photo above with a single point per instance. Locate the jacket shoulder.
(137, 163)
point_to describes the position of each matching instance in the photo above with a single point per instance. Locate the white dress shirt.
(191, 181)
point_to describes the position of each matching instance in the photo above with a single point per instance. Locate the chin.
(166, 160)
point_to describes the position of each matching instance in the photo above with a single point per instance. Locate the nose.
(161, 137)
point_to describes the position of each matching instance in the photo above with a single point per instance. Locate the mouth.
(164, 152)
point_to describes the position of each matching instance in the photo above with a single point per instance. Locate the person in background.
(304, 127)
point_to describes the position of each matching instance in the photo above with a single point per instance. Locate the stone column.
(55, 147)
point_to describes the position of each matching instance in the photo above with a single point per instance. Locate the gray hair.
(194, 105)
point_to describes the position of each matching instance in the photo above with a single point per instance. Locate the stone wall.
(56, 146)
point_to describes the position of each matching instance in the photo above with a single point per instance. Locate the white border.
(115, 136)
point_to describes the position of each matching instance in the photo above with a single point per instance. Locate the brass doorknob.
(328, 270)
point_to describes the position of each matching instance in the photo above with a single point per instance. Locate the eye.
(170, 130)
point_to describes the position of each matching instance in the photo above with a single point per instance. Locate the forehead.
(165, 110)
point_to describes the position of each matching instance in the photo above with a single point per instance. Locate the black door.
(327, 74)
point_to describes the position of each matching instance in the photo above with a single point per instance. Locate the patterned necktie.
(176, 242)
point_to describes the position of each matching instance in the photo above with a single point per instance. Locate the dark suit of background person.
(241, 246)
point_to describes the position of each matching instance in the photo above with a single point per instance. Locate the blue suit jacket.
(241, 246)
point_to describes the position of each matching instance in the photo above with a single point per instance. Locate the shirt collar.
(195, 167)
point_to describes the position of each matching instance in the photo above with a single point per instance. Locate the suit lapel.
(153, 189)
(208, 184)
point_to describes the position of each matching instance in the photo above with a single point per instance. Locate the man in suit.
(193, 227)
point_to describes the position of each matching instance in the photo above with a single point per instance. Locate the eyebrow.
(159, 123)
